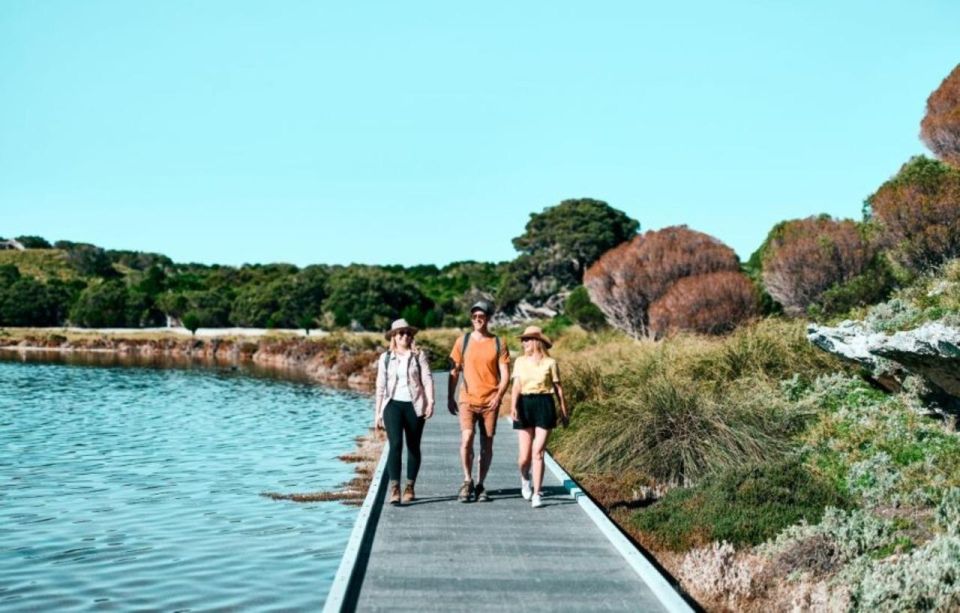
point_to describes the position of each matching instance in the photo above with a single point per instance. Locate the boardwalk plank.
(438, 554)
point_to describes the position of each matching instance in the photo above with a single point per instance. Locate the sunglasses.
(478, 317)
(405, 333)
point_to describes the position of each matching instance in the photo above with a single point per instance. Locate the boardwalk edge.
(669, 597)
(347, 580)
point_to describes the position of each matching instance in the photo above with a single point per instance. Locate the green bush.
(744, 506)
(870, 287)
(581, 310)
(101, 305)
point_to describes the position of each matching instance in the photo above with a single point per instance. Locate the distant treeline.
(86, 285)
(582, 257)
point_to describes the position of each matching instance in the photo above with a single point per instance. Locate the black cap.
(483, 305)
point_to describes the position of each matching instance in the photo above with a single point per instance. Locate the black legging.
(400, 419)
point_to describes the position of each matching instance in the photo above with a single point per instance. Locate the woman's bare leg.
(525, 438)
(539, 446)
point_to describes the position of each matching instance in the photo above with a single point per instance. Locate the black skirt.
(535, 411)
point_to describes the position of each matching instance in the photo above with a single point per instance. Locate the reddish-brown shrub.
(803, 258)
(629, 278)
(919, 210)
(714, 303)
(940, 128)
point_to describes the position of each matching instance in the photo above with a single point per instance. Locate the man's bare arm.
(452, 389)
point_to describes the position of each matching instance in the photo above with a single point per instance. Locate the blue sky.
(313, 132)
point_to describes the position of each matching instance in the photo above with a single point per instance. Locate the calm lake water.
(139, 488)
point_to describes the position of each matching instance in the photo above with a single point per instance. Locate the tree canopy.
(627, 281)
(940, 128)
(562, 241)
(919, 213)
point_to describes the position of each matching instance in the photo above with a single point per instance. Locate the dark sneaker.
(466, 491)
(480, 493)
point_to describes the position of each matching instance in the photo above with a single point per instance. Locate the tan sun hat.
(537, 333)
(398, 325)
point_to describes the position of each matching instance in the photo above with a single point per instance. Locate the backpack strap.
(463, 360)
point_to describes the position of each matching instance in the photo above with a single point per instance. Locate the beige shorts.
(471, 415)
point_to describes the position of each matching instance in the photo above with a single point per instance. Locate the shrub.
(803, 258)
(927, 579)
(681, 410)
(628, 279)
(191, 321)
(101, 305)
(873, 285)
(713, 303)
(743, 506)
(948, 511)
(919, 213)
(940, 128)
(840, 537)
(579, 308)
(34, 242)
(877, 447)
(935, 296)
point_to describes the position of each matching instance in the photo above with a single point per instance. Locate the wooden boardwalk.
(438, 554)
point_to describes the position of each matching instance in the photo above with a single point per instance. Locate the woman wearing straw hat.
(535, 379)
(404, 401)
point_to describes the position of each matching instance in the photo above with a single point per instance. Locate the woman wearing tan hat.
(535, 379)
(404, 403)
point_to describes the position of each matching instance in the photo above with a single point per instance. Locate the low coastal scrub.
(765, 474)
(672, 413)
(742, 506)
(932, 297)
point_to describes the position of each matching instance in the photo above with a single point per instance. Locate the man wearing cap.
(484, 363)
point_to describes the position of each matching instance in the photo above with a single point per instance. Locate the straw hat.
(397, 326)
(537, 333)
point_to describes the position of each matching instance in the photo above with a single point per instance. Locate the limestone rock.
(931, 351)
(852, 341)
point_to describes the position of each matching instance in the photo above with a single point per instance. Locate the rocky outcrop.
(931, 351)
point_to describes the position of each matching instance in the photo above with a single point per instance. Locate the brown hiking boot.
(466, 491)
(394, 492)
(408, 494)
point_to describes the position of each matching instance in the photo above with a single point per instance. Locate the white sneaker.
(536, 501)
(525, 490)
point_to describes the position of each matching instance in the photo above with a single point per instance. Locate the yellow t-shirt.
(535, 378)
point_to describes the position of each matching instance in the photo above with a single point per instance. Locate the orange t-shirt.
(481, 370)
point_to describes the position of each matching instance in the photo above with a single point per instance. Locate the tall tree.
(562, 241)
